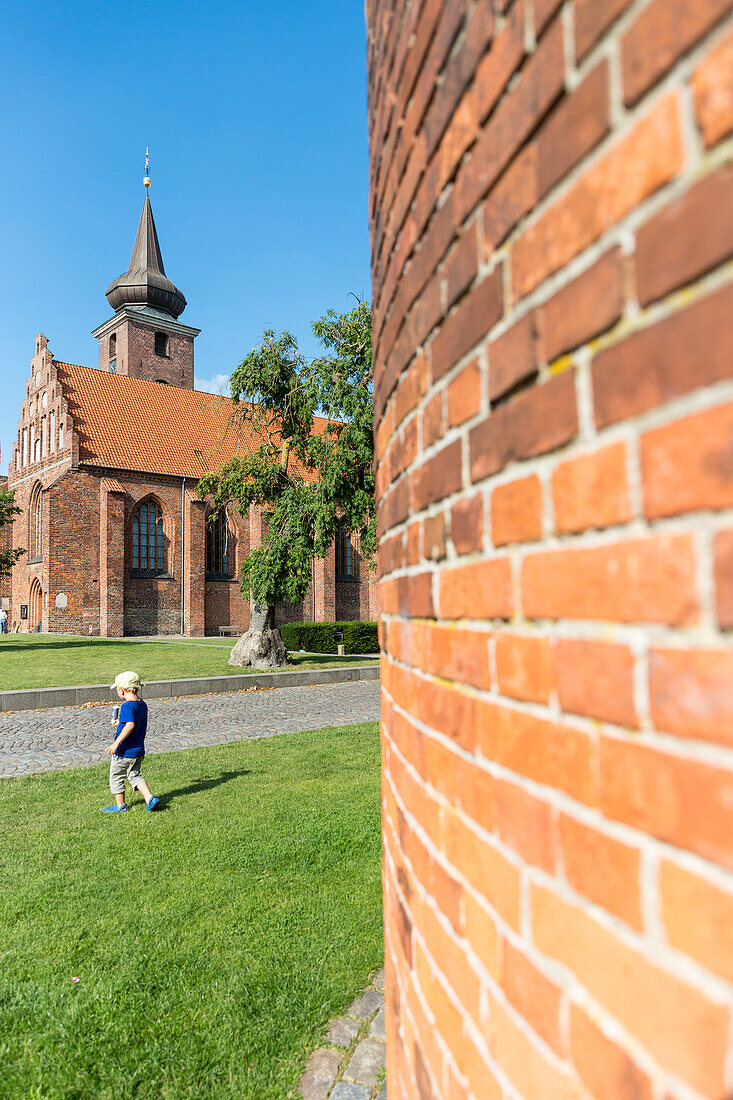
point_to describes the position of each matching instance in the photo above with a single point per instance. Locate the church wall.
(6, 544)
(71, 554)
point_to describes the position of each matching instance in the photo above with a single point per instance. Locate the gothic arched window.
(113, 345)
(219, 548)
(161, 344)
(346, 558)
(148, 539)
(36, 523)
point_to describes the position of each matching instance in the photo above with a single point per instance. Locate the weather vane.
(146, 180)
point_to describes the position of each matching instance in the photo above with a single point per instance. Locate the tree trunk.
(262, 645)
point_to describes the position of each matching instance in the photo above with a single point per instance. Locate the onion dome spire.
(145, 283)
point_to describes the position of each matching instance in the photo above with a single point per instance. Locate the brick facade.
(81, 568)
(551, 234)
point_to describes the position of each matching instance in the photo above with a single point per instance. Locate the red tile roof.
(129, 424)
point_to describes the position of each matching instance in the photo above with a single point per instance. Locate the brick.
(688, 465)
(688, 238)
(549, 753)
(498, 66)
(724, 579)
(678, 800)
(434, 537)
(596, 679)
(524, 667)
(524, 1062)
(592, 490)
(662, 33)
(516, 511)
(454, 654)
(640, 580)
(432, 421)
(480, 590)
(586, 307)
(575, 127)
(698, 918)
(464, 394)
(670, 352)
(513, 357)
(524, 824)
(407, 596)
(603, 196)
(467, 524)
(511, 198)
(592, 19)
(413, 552)
(438, 477)
(691, 693)
(713, 91)
(538, 420)
(602, 869)
(534, 996)
(604, 1067)
(516, 116)
(654, 1006)
(473, 318)
(481, 931)
(490, 874)
(544, 11)
(461, 265)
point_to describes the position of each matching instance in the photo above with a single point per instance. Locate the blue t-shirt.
(133, 710)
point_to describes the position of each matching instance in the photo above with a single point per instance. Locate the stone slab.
(342, 1031)
(320, 1074)
(366, 1062)
(378, 980)
(346, 1091)
(376, 1027)
(366, 1004)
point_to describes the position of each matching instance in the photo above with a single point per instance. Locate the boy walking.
(128, 748)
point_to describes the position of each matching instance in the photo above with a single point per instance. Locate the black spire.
(145, 283)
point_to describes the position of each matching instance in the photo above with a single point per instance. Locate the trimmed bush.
(318, 637)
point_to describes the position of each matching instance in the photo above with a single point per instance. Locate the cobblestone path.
(64, 737)
(350, 1065)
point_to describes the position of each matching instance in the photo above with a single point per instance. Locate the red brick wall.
(551, 197)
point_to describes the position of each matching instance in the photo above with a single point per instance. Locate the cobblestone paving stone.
(65, 737)
(351, 1066)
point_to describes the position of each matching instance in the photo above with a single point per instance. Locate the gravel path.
(64, 737)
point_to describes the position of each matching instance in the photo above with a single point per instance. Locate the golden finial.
(146, 180)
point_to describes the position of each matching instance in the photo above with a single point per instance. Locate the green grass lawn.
(48, 660)
(213, 939)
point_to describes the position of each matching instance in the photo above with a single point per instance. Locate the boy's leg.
(117, 781)
(144, 789)
(139, 784)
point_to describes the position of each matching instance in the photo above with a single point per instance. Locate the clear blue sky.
(255, 115)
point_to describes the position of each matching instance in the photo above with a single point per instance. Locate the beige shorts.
(123, 768)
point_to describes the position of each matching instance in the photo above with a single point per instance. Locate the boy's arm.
(124, 732)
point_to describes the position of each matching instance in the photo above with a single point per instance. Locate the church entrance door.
(36, 605)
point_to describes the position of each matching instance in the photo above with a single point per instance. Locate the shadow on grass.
(64, 643)
(200, 785)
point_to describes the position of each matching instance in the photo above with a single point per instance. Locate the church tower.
(145, 339)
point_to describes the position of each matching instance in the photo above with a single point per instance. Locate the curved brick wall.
(551, 216)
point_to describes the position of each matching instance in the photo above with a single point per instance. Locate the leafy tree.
(8, 509)
(306, 454)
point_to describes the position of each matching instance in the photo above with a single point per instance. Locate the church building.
(105, 469)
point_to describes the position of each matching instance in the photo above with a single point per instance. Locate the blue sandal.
(152, 804)
(114, 809)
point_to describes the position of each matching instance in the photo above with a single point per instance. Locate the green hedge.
(318, 637)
